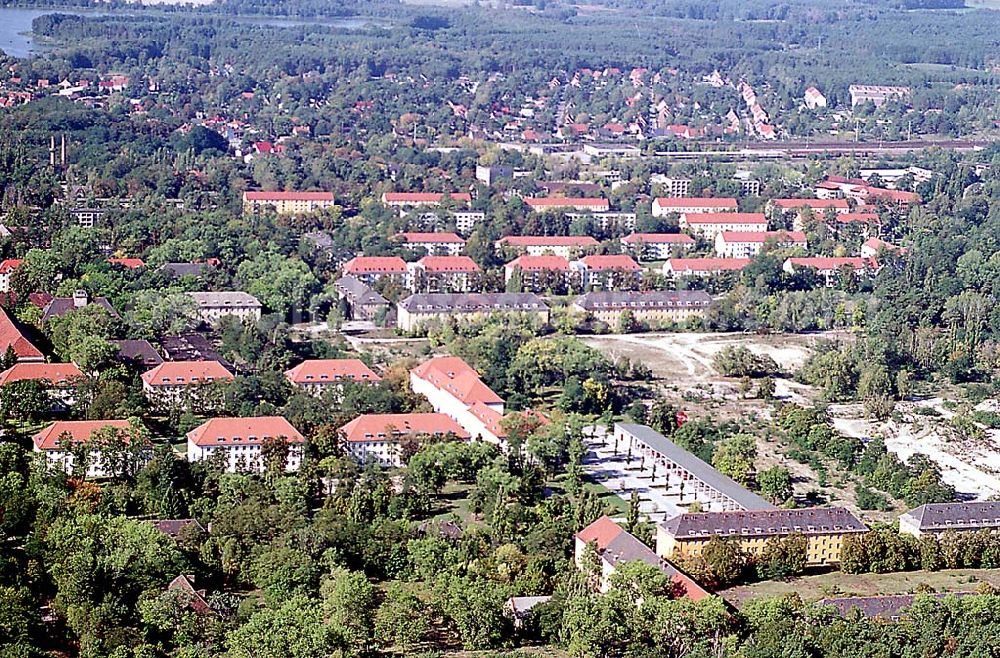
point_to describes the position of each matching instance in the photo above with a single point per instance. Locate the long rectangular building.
(287, 203)
(422, 309)
(936, 518)
(686, 535)
(683, 474)
(652, 307)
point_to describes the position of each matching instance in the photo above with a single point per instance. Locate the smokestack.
(80, 298)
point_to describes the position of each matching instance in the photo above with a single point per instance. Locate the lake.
(16, 40)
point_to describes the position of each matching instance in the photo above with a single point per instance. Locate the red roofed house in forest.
(663, 206)
(55, 443)
(455, 389)
(59, 378)
(183, 382)
(246, 444)
(613, 547)
(378, 438)
(14, 342)
(538, 273)
(370, 269)
(433, 274)
(317, 376)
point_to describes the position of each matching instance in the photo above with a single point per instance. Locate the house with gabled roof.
(183, 383)
(454, 388)
(13, 340)
(378, 438)
(239, 443)
(318, 376)
(57, 442)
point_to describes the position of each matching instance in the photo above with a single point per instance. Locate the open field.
(812, 588)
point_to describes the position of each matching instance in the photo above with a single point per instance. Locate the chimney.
(80, 299)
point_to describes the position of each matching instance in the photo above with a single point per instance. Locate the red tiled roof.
(797, 237)
(130, 263)
(77, 431)
(602, 531)
(324, 371)
(614, 262)
(435, 238)
(549, 241)
(877, 245)
(10, 265)
(243, 431)
(56, 374)
(375, 265)
(708, 264)
(448, 264)
(568, 202)
(865, 217)
(173, 373)
(528, 263)
(895, 196)
(660, 238)
(369, 426)
(424, 197)
(791, 204)
(12, 338)
(725, 218)
(452, 374)
(288, 196)
(489, 417)
(696, 202)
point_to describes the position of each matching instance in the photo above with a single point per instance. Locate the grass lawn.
(811, 588)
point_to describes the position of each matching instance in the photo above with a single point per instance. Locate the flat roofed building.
(287, 203)
(240, 442)
(55, 441)
(419, 310)
(654, 308)
(377, 438)
(686, 535)
(682, 473)
(936, 518)
(317, 376)
(663, 206)
(615, 547)
(213, 306)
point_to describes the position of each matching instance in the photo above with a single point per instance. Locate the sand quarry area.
(683, 364)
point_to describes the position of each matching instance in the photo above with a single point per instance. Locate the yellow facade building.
(686, 535)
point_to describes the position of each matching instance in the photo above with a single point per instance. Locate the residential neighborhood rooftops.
(548, 241)
(697, 202)
(182, 373)
(601, 263)
(375, 265)
(955, 516)
(76, 431)
(11, 338)
(454, 375)
(527, 263)
(139, 351)
(699, 218)
(884, 607)
(424, 197)
(567, 202)
(243, 431)
(795, 204)
(325, 371)
(658, 238)
(376, 427)
(55, 374)
(764, 522)
(288, 196)
(448, 264)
